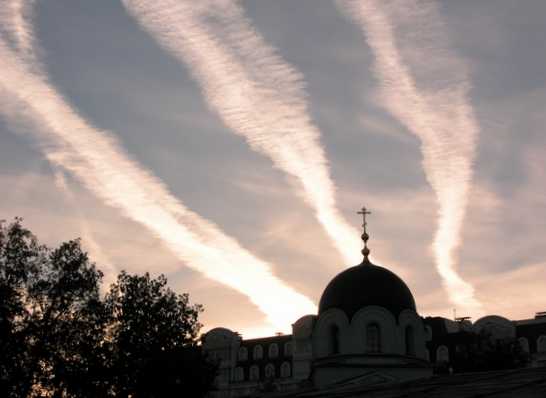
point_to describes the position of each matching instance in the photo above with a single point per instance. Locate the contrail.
(96, 158)
(426, 87)
(15, 27)
(89, 241)
(255, 92)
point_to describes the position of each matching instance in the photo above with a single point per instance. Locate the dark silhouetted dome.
(366, 284)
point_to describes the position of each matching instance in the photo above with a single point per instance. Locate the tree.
(154, 332)
(20, 259)
(180, 372)
(52, 319)
(67, 324)
(60, 338)
(482, 352)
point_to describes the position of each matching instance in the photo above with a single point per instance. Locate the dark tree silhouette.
(153, 331)
(60, 338)
(482, 352)
(20, 258)
(68, 324)
(180, 372)
(52, 320)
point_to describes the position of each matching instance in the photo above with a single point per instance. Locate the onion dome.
(366, 284)
(363, 285)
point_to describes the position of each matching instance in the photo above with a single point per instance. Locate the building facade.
(507, 343)
(367, 332)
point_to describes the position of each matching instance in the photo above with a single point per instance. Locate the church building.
(367, 332)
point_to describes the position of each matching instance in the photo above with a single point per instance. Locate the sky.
(230, 144)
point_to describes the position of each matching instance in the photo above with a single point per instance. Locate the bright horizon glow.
(256, 93)
(441, 116)
(95, 157)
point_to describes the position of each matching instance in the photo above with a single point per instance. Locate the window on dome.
(334, 339)
(258, 352)
(373, 338)
(541, 344)
(273, 350)
(410, 341)
(442, 354)
(254, 373)
(243, 354)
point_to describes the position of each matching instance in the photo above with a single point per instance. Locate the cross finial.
(365, 251)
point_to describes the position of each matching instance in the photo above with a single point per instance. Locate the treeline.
(60, 337)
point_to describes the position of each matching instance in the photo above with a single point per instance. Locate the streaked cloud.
(99, 162)
(88, 239)
(15, 27)
(115, 75)
(256, 93)
(425, 86)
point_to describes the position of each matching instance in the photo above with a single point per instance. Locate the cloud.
(256, 93)
(88, 239)
(15, 15)
(425, 87)
(97, 160)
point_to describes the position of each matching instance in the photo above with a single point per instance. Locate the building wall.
(353, 335)
(436, 339)
(242, 370)
(449, 337)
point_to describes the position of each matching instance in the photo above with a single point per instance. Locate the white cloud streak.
(95, 157)
(15, 27)
(255, 92)
(88, 239)
(426, 87)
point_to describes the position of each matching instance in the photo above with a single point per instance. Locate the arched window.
(238, 374)
(373, 338)
(254, 373)
(524, 344)
(288, 349)
(541, 344)
(258, 352)
(334, 340)
(410, 341)
(269, 371)
(285, 369)
(243, 354)
(273, 350)
(442, 354)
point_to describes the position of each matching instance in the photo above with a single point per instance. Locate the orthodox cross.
(364, 213)
(365, 251)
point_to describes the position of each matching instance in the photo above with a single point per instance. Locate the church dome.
(363, 285)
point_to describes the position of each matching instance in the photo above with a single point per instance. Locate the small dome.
(363, 285)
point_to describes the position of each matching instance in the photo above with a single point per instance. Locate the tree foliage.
(150, 323)
(59, 337)
(482, 352)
